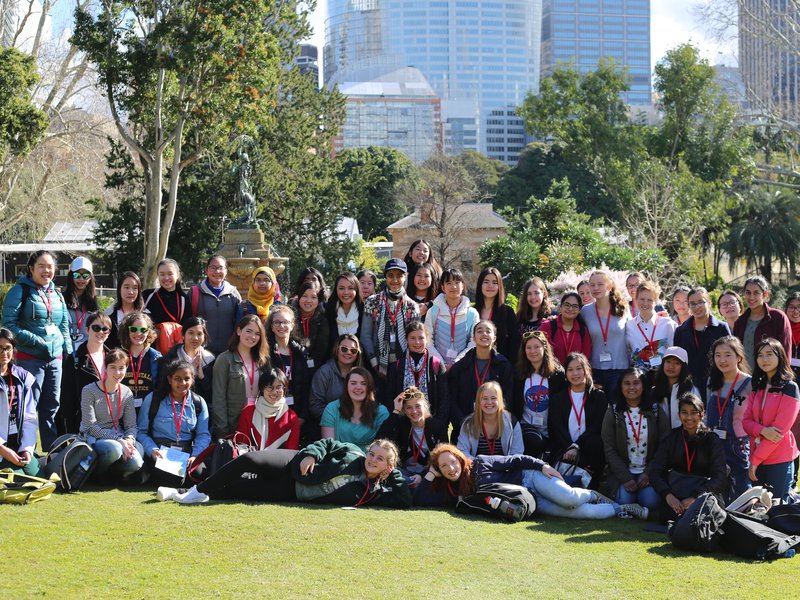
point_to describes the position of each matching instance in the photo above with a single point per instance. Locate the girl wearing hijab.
(261, 295)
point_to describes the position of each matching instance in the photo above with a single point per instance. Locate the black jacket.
(558, 420)
(77, 372)
(708, 462)
(398, 429)
(508, 337)
(438, 393)
(463, 384)
(300, 381)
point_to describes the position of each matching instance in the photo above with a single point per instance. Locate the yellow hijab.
(262, 302)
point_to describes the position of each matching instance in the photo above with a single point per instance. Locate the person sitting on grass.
(324, 472)
(452, 474)
(490, 429)
(356, 416)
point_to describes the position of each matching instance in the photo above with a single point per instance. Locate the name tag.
(392, 337)
(51, 329)
(721, 433)
(451, 353)
(289, 400)
(537, 420)
(637, 461)
(310, 363)
(251, 401)
(655, 361)
(178, 448)
(605, 357)
(137, 402)
(12, 429)
(795, 362)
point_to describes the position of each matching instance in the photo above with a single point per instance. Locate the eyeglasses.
(276, 387)
(84, 276)
(215, 268)
(277, 323)
(697, 304)
(730, 304)
(539, 335)
(570, 305)
(793, 307)
(100, 328)
(133, 329)
(346, 350)
(7, 349)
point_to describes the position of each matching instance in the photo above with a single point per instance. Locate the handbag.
(19, 488)
(573, 474)
(219, 454)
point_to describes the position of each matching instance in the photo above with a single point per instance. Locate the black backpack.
(749, 537)
(699, 528)
(785, 518)
(499, 500)
(72, 460)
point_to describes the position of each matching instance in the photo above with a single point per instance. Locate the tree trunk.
(152, 219)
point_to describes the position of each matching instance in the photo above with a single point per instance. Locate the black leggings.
(272, 484)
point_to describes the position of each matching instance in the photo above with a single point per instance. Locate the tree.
(767, 232)
(441, 190)
(369, 177)
(485, 172)
(182, 76)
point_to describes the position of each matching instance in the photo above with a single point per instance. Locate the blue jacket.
(194, 427)
(27, 318)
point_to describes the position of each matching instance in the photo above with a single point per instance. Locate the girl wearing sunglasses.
(80, 297)
(136, 334)
(84, 366)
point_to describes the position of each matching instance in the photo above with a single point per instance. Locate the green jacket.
(339, 478)
(228, 393)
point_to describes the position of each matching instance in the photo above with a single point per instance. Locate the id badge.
(310, 363)
(721, 433)
(178, 448)
(392, 358)
(605, 357)
(392, 337)
(251, 401)
(137, 402)
(12, 429)
(289, 400)
(795, 362)
(51, 329)
(451, 353)
(655, 361)
(637, 461)
(537, 421)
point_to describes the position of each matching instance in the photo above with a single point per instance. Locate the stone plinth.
(246, 250)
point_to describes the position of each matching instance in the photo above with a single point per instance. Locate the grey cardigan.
(510, 441)
(326, 386)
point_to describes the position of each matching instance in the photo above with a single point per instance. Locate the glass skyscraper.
(580, 32)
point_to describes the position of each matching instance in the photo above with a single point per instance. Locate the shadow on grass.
(670, 551)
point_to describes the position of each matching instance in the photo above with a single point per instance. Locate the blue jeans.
(46, 393)
(646, 496)
(778, 477)
(557, 499)
(109, 458)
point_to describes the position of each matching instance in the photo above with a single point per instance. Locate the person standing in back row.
(217, 301)
(759, 321)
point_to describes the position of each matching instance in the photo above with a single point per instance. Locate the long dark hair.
(783, 374)
(138, 303)
(550, 364)
(370, 405)
(87, 300)
(501, 290)
(662, 390)
(301, 279)
(622, 404)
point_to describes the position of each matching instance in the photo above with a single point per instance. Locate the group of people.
(410, 392)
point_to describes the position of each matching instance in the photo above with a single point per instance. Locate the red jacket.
(288, 422)
(779, 410)
(775, 324)
(581, 339)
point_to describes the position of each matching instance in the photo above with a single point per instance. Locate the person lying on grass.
(326, 472)
(452, 474)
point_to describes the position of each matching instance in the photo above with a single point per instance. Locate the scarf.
(262, 302)
(264, 411)
(408, 375)
(385, 327)
(347, 323)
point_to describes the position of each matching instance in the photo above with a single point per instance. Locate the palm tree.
(768, 230)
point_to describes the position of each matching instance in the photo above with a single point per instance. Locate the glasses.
(539, 335)
(570, 305)
(7, 349)
(345, 350)
(277, 323)
(731, 304)
(84, 276)
(133, 329)
(213, 268)
(276, 387)
(793, 307)
(100, 328)
(697, 304)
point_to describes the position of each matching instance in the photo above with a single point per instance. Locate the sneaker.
(634, 510)
(598, 498)
(193, 496)
(166, 493)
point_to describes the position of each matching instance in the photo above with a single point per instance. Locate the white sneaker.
(166, 493)
(634, 510)
(193, 496)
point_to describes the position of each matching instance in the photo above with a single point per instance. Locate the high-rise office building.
(478, 55)
(8, 21)
(768, 56)
(580, 32)
(307, 61)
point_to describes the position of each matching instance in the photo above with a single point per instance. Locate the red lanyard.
(567, 340)
(453, 312)
(305, 323)
(689, 459)
(490, 443)
(418, 374)
(114, 422)
(652, 335)
(48, 304)
(608, 323)
(177, 304)
(416, 451)
(364, 499)
(721, 408)
(251, 375)
(80, 319)
(10, 393)
(136, 370)
(633, 310)
(392, 316)
(283, 364)
(450, 488)
(677, 318)
(482, 378)
(694, 332)
(537, 395)
(578, 413)
(100, 376)
(176, 418)
(637, 433)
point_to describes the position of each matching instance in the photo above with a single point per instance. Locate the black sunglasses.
(100, 328)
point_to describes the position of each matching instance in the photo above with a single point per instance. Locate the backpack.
(750, 537)
(18, 488)
(217, 455)
(72, 460)
(500, 500)
(785, 518)
(699, 528)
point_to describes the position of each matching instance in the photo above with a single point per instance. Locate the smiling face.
(138, 336)
(680, 304)
(793, 310)
(672, 368)
(489, 402)
(632, 284)
(249, 336)
(422, 281)
(263, 283)
(347, 353)
(632, 389)
(167, 276)
(484, 335)
(98, 332)
(395, 280)
(6, 353)
(767, 361)
(357, 388)
(754, 296)
(570, 307)
(216, 271)
(282, 323)
(698, 305)
(449, 466)
(308, 302)
(534, 351)
(599, 286)
(180, 382)
(346, 292)
(414, 409)
(115, 371)
(576, 375)
(129, 290)
(273, 393)
(193, 337)
(377, 461)
(726, 359)
(690, 417)
(417, 341)
(82, 280)
(421, 253)
(43, 270)
(729, 307)
(645, 303)
(534, 297)
(453, 289)
(490, 286)
(586, 293)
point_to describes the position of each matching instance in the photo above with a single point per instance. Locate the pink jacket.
(778, 409)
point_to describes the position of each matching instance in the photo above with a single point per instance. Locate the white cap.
(81, 262)
(678, 353)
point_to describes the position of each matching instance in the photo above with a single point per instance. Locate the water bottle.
(789, 553)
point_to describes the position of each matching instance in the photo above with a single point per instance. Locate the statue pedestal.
(246, 250)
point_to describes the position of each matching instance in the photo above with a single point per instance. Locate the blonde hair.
(392, 453)
(477, 417)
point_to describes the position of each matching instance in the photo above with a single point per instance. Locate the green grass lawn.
(124, 544)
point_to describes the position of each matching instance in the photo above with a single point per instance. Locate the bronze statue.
(244, 195)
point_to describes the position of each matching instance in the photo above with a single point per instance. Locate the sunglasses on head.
(100, 328)
(539, 335)
(133, 329)
(84, 276)
(344, 350)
